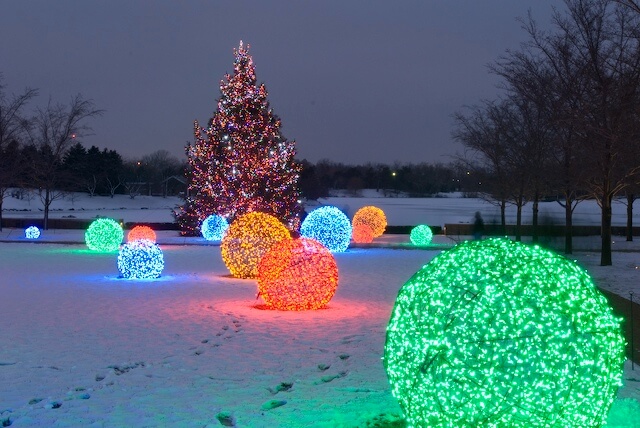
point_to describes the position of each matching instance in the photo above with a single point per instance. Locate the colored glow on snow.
(32, 232)
(248, 238)
(104, 234)
(297, 275)
(499, 333)
(140, 259)
(362, 234)
(373, 217)
(421, 235)
(141, 232)
(214, 227)
(329, 226)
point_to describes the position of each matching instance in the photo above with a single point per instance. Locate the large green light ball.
(497, 333)
(104, 234)
(421, 235)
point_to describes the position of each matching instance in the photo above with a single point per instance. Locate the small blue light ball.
(330, 226)
(421, 235)
(32, 232)
(140, 259)
(214, 227)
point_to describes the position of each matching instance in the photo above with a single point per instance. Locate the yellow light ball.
(373, 217)
(248, 238)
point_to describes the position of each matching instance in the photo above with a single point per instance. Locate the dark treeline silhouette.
(415, 180)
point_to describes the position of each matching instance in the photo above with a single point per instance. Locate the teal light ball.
(501, 334)
(104, 234)
(421, 235)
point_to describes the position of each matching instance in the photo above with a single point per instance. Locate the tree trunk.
(605, 253)
(630, 199)
(568, 226)
(534, 221)
(47, 202)
(1, 200)
(519, 221)
(503, 216)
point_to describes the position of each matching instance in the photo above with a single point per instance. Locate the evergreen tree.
(241, 162)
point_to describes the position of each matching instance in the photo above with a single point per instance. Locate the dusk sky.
(352, 81)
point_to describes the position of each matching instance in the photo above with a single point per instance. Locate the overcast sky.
(352, 81)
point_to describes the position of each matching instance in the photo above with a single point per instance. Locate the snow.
(180, 350)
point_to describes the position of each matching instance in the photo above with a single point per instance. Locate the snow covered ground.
(80, 346)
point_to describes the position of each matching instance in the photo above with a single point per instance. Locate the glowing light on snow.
(421, 235)
(32, 232)
(104, 234)
(214, 227)
(498, 333)
(373, 217)
(297, 274)
(140, 259)
(248, 238)
(329, 226)
(141, 232)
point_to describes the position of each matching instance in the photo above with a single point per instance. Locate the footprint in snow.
(226, 419)
(272, 404)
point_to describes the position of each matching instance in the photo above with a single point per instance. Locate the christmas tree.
(241, 162)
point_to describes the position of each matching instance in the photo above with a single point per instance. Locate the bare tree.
(12, 126)
(633, 4)
(55, 129)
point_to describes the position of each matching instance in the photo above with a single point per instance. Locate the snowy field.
(80, 346)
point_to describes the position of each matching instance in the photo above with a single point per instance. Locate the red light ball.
(362, 234)
(141, 232)
(297, 275)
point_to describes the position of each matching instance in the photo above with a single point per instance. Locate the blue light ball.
(214, 227)
(330, 226)
(32, 232)
(140, 259)
(421, 235)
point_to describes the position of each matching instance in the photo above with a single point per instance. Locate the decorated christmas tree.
(241, 162)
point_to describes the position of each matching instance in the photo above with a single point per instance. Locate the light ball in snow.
(297, 274)
(329, 226)
(140, 259)
(104, 234)
(362, 234)
(421, 235)
(499, 333)
(373, 217)
(248, 238)
(32, 232)
(141, 232)
(214, 227)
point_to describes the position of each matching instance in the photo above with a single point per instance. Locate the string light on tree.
(140, 259)
(214, 227)
(248, 238)
(297, 275)
(104, 234)
(499, 333)
(32, 232)
(421, 235)
(373, 217)
(330, 226)
(141, 232)
(241, 162)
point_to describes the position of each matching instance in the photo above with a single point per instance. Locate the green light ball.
(497, 333)
(421, 235)
(104, 234)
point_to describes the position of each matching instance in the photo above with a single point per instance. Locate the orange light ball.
(373, 217)
(248, 238)
(362, 234)
(141, 232)
(297, 275)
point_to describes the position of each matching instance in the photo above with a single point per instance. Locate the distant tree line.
(43, 152)
(568, 123)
